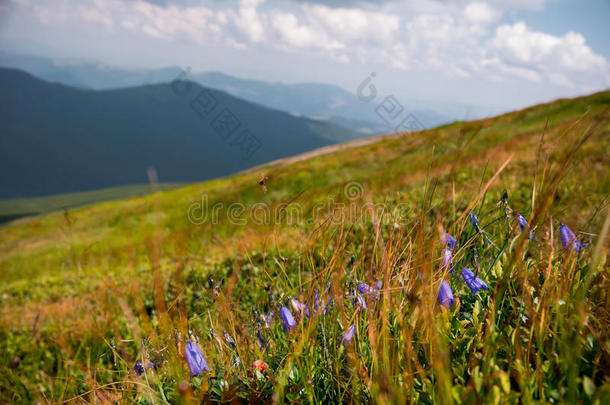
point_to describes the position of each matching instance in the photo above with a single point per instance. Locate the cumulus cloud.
(520, 44)
(352, 24)
(292, 33)
(248, 21)
(562, 59)
(480, 13)
(503, 4)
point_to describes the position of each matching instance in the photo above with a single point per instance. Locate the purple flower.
(361, 302)
(448, 241)
(474, 220)
(447, 260)
(370, 291)
(568, 240)
(299, 307)
(261, 339)
(195, 359)
(364, 288)
(523, 224)
(474, 283)
(319, 304)
(230, 340)
(348, 335)
(140, 368)
(522, 221)
(287, 319)
(379, 284)
(268, 318)
(445, 296)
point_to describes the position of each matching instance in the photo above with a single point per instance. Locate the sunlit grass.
(83, 292)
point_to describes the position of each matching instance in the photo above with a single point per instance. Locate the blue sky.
(505, 54)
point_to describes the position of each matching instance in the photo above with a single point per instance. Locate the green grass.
(81, 293)
(19, 207)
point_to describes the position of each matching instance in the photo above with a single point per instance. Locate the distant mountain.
(56, 139)
(319, 101)
(86, 75)
(316, 100)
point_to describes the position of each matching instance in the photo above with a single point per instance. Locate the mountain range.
(56, 138)
(324, 102)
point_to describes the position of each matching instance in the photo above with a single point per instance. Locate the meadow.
(327, 280)
(13, 208)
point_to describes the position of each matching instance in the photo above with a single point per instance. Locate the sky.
(502, 54)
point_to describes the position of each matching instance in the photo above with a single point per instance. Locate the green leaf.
(505, 382)
(588, 385)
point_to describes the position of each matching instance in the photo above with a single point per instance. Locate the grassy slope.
(60, 276)
(37, 205)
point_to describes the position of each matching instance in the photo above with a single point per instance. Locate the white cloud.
(480, 13)
(520, 4)
(339, 33)
(565, 60)
(293, 34)
(354, 24)
(248, 21)
(168, 22)
(456, 38)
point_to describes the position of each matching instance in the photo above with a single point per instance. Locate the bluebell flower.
(364, 288)
(445, 296)
(195, 359)
(473, 282)
(474, 221)
(361, 302)
(522, 221)
(139, 368)
(568, 240)
(348, 335)
(319, 304)
(523, 224)
(287, 319)
(448, 241)
(268, 318)
(447, 260)
(230, 340)
(379, 285)
(299, 307)
(261, 339)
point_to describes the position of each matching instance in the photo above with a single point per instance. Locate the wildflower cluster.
(293, 313)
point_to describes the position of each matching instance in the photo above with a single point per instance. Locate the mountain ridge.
(328, 101)
(68, 135)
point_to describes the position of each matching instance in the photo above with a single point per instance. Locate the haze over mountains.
(324, 102)
(56, 138)
(71, 126)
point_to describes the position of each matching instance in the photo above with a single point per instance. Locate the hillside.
(88, 294)
(13, 208)
(58, 139)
